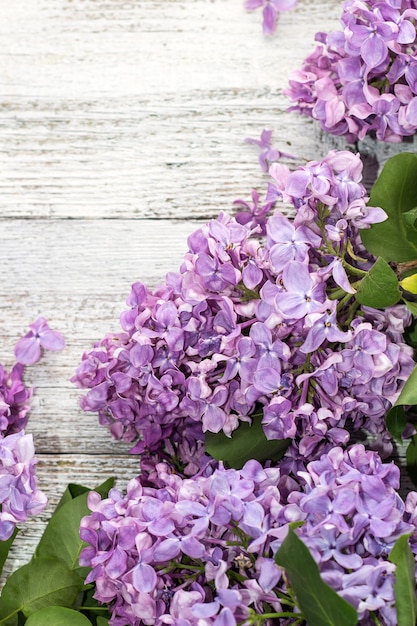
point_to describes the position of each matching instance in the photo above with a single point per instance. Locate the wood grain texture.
(122, 127)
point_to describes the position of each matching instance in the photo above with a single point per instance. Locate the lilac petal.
(341, 278)
(297, 278)
(269, 19)
(297, 183)
(144, 578)
(213, 419)
(411, 112)
(374, 51)
(335, 112)
(192, 547)
(269, 575)
(6, 529)
(161, 527)
(167, 550)
(117, 564)
(349, 561)
(251, 5)
(407, 32)
(204, 610)
(267, 380)
(315, 337)
(225, 618)
(28, 350)
(52, 340)
(285, 5)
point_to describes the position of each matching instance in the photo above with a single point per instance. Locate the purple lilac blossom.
(250, 328)
(14, 400)
(268, 154)
(29, 348)
(270, 11)
(19, 495)
(362, 79)
(200, 550)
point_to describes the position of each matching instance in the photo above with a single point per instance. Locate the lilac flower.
(28, 349)
(14, 400)
(268, 153)
(361, 80)
(288, 243)
(270, 11)
(251, 327)
(303, 295)
(19, 496)
(169, 550)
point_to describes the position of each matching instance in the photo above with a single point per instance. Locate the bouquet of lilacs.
(241, 381)
(361, 79)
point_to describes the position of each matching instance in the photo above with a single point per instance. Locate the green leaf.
(410, 218)
(102, 622)
(40, 583)
(61, 538)
(57, 616)
(412, 306)
(247, 442)
(395, 418)
(396, 192)
(396, 422)
(5, 547)
(405, 582)
(319, 603)
(72, 491)
(408, 394)
(379, 288)
(411, 459)
(409, 285)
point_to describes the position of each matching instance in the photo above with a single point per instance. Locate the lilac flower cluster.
(200, 552)
(258, 328)
(362, 79)
(19, 496)
(270, 11)
(14, 400)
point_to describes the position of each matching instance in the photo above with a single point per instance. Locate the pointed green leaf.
(379, 288)
(102, 622)
(57, 616)
(61, 538)
(405, 582)
(409, 285)
(71, 492)
(395, 419)
(411, 458)
(412, 306)
(408, 394)
(247, 442)
(396, 422)
(5, 547)
(410, 218)
(396, 192)
(319, 603)
(40, 583)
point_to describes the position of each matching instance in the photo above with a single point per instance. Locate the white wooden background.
(122, 125)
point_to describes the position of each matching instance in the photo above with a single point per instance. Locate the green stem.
(353, 270)
(343, 301)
